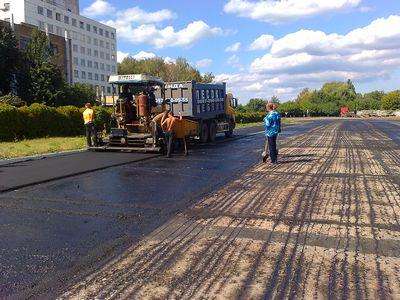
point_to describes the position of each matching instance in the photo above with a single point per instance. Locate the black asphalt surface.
(55, 232)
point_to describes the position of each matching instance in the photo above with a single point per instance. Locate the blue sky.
(300, 43)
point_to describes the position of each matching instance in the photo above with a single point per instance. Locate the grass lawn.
(40, 146)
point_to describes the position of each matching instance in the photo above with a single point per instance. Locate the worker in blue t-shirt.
(272, 123)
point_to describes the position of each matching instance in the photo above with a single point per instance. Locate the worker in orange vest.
(88, 119)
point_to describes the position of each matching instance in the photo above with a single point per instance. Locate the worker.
(167, 124)
(272, 122)
(88, 119)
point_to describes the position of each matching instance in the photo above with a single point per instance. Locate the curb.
(11, 161)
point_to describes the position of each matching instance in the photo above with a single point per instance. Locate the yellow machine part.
(184, 128)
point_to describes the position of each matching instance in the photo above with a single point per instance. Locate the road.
(220, 224)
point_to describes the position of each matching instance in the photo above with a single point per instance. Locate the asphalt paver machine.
(135, 112)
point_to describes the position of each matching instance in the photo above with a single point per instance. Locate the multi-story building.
(91, 47)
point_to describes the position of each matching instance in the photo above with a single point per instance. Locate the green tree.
(391, 101)
(9, 59)
(275, 99)
(180, 70)
(42, 79)
(78, 94)
(256, 104)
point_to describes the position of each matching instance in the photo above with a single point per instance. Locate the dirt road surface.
(324, 223)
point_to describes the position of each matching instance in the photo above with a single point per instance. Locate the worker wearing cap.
(88, 119)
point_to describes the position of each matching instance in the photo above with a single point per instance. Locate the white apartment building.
(91, 45)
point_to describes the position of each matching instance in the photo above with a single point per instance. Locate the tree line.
(179, 70)
(31, 75)
(328, 100)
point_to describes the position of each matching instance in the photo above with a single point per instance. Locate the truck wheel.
(204, 133)
(213, 132)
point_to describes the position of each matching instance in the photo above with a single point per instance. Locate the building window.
(102, 44)
(75, 48)
(114, 69)
(88, 40)
(107, 45)
(96, 53)
(76, 61)
(101, 54)
(76, 74)
(74, 22)
(83, 50)
(96, 65)
(107, 56)
(89, 64)
(74, 35)
(102, 66)
(89, 51)
(88, 27)
(94, 29)
(40, 10)
(83, 63)
(103, 78)
(49, 14)
(108, 90)
(108, 68)
(58, 17)
(107, 34)
(95, 42)
(81, 25)
(112, 47)
(50, 28)
(83, 75)
(90, 76)
(41, 25)
(113, 57)
(59, 30)
(113, 35)
(101, 31)
(96, 77)
(66, 19)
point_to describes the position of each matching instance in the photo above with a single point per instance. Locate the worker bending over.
(88, 119)
(168, 125)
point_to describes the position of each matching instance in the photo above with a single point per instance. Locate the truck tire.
(204, 133)
(213, 132)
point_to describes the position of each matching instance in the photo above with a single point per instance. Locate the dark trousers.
(273, 152)
(91, 136)
(169, 137)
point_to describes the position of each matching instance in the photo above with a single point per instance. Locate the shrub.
(12, 100)
(391, 101)
(249, 117)
(10, 122)
(72, 120)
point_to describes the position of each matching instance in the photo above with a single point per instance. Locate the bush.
(391, 101)
(12, 100)
(39, 120)
(10, 122)
(249, 117)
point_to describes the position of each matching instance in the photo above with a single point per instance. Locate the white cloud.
(99, 8)
(233, 60)
(166, 37)
(139, 16)
(308, 58)
(234, 47)
(276, 11)
(204, 63)
(263, 42)
(121, 56)
(142, 55)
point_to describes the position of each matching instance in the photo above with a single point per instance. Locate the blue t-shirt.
(272, 123)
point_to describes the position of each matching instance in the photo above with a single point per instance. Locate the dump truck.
(139, 102)
(206, 104)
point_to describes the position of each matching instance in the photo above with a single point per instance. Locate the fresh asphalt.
(62, 217)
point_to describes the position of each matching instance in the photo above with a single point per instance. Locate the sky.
(264, 48)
